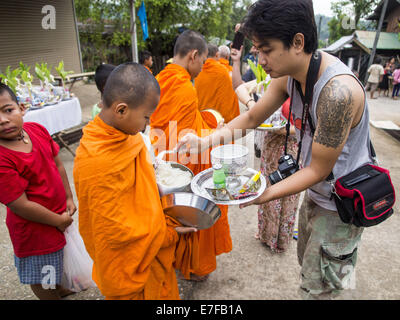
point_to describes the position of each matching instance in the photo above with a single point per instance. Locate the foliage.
(61, 72)
(10, 78)
(105, 30)
(353, 9)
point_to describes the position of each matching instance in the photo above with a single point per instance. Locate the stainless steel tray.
(204, 180)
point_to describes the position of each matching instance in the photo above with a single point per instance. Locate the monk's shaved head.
(130, 83)
(189, 40)
(224, 52)
(212, 50)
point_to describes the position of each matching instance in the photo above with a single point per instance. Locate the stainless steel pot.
(191, 210)
(163, 190)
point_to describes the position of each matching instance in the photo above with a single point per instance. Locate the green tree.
(356, 10)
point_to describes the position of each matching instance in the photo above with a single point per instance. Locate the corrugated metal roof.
(387, 40)
(338, 45)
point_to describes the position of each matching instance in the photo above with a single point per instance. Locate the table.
(57, 117)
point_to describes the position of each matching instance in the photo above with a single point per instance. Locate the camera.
(286, 167)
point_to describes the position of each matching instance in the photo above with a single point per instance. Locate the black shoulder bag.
(364, 197)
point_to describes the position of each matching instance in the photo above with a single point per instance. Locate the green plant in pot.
(63, 75)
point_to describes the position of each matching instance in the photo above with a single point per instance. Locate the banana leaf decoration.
(10, 78)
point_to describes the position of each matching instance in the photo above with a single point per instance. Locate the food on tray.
(172, 177)
(251, 184)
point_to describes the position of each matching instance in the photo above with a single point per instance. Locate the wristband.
(251, 99)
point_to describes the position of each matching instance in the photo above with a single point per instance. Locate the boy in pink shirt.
(34, 187)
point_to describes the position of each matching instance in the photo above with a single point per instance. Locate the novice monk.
(214, 87)
(178, 112)
(121, 220)
(224, 54)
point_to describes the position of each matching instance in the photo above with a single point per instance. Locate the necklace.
(23, 138)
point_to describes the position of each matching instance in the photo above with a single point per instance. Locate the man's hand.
(65, 221)
(236, 54)
(184, 230)
(71, 208)
(192, 144)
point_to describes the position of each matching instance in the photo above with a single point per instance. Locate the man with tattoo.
(285, 34)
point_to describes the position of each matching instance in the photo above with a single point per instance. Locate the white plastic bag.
(78, 265)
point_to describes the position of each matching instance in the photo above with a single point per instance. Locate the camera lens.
(275, 177)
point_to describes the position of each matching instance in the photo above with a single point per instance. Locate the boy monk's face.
(11, 117)
(196, 61)
(134, 120)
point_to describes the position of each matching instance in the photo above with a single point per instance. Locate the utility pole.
(378, 32)
(133, 32)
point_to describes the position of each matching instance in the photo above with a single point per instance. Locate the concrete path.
(251, 271)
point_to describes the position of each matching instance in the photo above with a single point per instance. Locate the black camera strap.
(312, 77)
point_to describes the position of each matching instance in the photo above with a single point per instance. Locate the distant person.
(100, 78)
(396, 82)
(214, 87)
(224, 54)
(34, 186)
(376, 73)
(384, 84)
(146, 59)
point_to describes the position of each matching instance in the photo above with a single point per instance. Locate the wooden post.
(378, 32)
(133, 31)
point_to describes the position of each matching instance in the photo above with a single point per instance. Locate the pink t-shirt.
(396, 76)
(36, 174)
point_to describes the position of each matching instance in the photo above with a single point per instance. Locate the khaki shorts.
(326, 250)
(372, 86)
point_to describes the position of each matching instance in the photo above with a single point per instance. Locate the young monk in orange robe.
(121, 220)
(214, 87)
(178, 113)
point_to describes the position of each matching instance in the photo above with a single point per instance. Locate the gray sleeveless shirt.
(356, 150)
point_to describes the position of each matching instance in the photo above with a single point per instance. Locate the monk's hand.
(71, 207)
(221, 124)
(191, 144)
(65, 221)
(184, 230)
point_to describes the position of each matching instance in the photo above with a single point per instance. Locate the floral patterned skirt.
(276, 219)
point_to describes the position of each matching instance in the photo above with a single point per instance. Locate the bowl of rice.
(173, 177)
(233, 157)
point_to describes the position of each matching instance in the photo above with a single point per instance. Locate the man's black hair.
(129, 83)
(282, 20)
(377, 60)
(189, 40)
(5, 88)
(143, 56)
(212, 50)
(101, 75)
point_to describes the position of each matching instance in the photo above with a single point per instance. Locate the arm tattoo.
(334, 113)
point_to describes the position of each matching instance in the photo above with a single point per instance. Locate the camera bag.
(365, 197)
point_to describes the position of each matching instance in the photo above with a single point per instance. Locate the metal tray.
(204, 180)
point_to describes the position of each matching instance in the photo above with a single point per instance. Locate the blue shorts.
(45, 269)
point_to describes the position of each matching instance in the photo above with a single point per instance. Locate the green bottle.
(219, 176)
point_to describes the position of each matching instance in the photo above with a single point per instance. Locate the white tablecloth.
(58, 117)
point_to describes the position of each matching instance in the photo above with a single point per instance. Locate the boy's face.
(148, 62)
(11, 117)
(275, 59)
(134, 120)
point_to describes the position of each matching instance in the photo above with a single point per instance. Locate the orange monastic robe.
(215, 90)
(120, 216)
(226, 64)
(177, 113)
(148, 69)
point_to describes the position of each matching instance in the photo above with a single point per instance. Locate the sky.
(323, 7)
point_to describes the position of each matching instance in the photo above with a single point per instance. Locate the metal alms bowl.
(233, 157)
(191, 210)
(163, 190)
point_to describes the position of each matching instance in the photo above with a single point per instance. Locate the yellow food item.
(265, 125)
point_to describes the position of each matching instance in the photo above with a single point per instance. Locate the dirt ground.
(251, 271)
